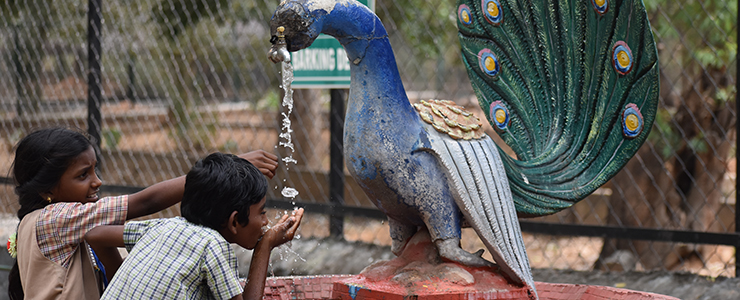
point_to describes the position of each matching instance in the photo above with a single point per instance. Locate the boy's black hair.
(218, 185)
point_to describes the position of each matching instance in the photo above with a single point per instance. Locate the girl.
(57, 188)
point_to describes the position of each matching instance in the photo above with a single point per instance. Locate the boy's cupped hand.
(284, 230)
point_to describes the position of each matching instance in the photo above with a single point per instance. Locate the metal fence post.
(17, 69)
(737, 146)
(93, 76)
(336, 161)
(131, 84)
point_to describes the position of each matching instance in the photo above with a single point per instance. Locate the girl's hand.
(284, 230)
(265, 161)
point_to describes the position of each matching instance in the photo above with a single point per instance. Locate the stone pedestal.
(419, 273)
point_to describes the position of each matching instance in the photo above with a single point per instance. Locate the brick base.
(347, 287)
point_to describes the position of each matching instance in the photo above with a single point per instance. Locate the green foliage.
(698, 39)
(246, 10)
(230, 146)
(216, 39)
(664, 136)
(32, 23)
(112, 137)
(668, 140)
(196, 70)
(425, 33)
(271, 101)
(706, 30)
(724, 95)
(698, 144)
(19, 8)
(175, 16)
(190, 128)
(429, 26)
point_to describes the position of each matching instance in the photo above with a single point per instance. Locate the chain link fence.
(176, 79)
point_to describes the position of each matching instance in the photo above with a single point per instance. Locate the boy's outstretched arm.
(105, 241)
(277, 235)
(167, 193)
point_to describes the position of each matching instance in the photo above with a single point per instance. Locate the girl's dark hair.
(218, 185)
(40, 160)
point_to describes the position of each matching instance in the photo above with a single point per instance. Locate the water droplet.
(289, 192)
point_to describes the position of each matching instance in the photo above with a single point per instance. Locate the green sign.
(323, 65)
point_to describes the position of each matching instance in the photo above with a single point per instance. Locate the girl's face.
(249, 235)
(79, 183)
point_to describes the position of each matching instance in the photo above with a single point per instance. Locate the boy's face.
(79, 183)
(249, 235)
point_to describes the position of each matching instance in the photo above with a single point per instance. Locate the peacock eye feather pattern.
(492, 11)
(632, 121)
(499, 115)
(463, 14)
(601, 6)
(488, 63)
(622, 56)
(565, 72)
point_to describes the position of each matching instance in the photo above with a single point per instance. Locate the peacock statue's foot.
(449, 249)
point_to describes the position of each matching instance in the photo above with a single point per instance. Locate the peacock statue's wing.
(478, 181)
(570, 86)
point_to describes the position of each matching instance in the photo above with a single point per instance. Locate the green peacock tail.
(571, 86)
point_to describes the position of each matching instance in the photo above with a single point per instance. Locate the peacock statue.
(570, 86)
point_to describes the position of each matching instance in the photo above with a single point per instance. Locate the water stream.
(286, 129)
(286, 140)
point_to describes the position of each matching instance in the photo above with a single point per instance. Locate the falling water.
(287, 142)
(286, 131)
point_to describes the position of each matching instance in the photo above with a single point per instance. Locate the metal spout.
(279, 49)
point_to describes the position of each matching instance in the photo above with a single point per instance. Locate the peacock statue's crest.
(570, 86)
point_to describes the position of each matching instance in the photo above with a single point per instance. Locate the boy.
(190, 257)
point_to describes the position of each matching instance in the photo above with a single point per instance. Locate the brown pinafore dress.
(44, 279)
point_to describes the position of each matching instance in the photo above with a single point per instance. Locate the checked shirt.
(61, 227)
(175, 259)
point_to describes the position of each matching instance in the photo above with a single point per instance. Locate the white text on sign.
(321, 59)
